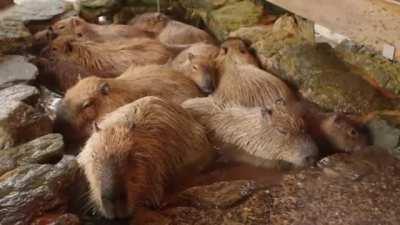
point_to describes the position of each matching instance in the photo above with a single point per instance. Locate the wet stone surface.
(33, 189)
(15, 69)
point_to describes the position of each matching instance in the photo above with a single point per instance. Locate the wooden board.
(370, 22)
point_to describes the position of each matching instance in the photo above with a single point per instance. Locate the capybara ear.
(242, 47)
(104, 88)
(76, 22)
(68, 46)
(96, 127)
(132, 126)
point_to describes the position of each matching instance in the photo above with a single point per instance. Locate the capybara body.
(171, 32)
(79, 28)
(259, 136)
(198, 63)
(203, 78)
(111, 58)
(137, 151)
(93, 97)
(242, 82)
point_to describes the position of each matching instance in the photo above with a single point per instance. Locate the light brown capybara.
(242, 82)
(137, 151)
(260, 136)
(203, 78)
(111, 58)
(171, 32)
(79, 28)
(93, 97)
(196, 62)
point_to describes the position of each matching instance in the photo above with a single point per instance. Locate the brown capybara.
(137, 151)
(257, 135)
(203, 78)
(242, 82)
(79, 28)
(93, 97)
(111, 58)
(198, 62)
(171, 32)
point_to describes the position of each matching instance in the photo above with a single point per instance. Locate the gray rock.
(385, 134)
(14, 69)
(19, 92)
(64, 219)
(32, 190)
(45, 149)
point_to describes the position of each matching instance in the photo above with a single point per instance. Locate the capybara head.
(74, 26)
(152, 22)
(235, 51)
(89, 99)
(202, 71)
(137, 150)
(343, 134)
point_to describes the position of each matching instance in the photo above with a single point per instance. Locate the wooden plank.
(370, 22)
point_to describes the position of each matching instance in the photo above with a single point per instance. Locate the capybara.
(170, 32)
(79, 28)
(111, 58)
(242, 82)
(257, 135)
(137, 151)
(203, 78)
(93, 97)
(198, 62)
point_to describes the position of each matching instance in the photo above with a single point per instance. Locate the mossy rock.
(231, 17)
(373, 67)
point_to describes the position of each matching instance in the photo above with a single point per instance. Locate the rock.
(91, 10)
(373, 67)
(219, 195)
(32, 190)
(64, 219)
(231, 17)
(315, 70)
(19, 92)
(346, 189)
(48, 101)
(46, 149)
(14, 35)
(14, 69)
(19, 121)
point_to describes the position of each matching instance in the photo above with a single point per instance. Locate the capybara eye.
(79, 34)
(224, 50)
(195, 67)
(282, 131)
(352, 132)
(86, 104)
(61, 27)
(280, 101)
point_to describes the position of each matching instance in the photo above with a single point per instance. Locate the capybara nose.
(208, 85)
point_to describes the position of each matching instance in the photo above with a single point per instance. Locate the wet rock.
(13, 33)
(15, 69)
(315, 70)
(218, 195)
(359, 189)
(91, 10)
(48, 101)
(373, 67)
(32, 190)
(64, 219)
(231, 17)
(46, 149)
(19, 121)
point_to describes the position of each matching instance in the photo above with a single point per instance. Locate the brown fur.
(139, 149)
(255, 135)
(242, 82)
(111, 58)
(93, 97)
(79, 28)
(197, 62)
(171, 32)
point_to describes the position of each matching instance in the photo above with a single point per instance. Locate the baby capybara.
(137, 150)
(257, 135)
(171, 32)
(93, 97)
(111, 58)
(242, 82)
(79, 28)
(204, 77)
(196, 61)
